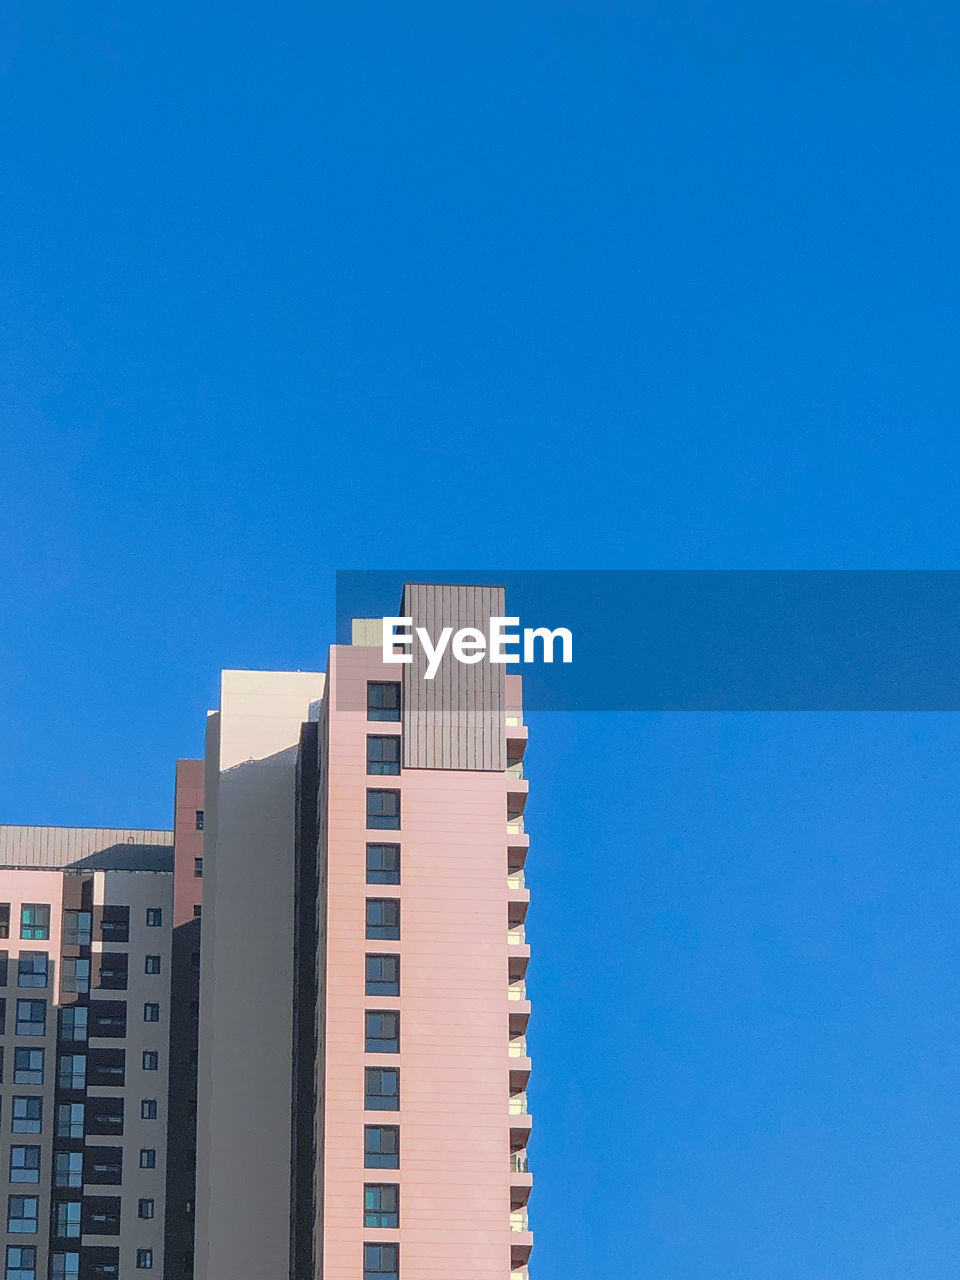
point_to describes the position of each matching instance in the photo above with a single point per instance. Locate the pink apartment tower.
(364, 910)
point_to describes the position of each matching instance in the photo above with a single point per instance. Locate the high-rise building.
(363, 1062)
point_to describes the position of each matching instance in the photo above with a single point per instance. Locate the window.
(3, 1015)
(4, 919)
(151, 964)
(383, 975)
(148, 1157)
(68, 1169)
(22, 1214)
(107, 1067)
(197, 910)
(66, 1219)
(4, 967)
(151, 1060)
(115, 924)
(381, 1146)
(101, 1215)
(104, 1116)
(24, 1164)
(198, 867)
(383, 700)
(69, 1120)
(114, 971)
(31, 1017)
(145, 1208)
(21, 1262)
(148, 1108)
(154, 917)
(151, 1012)
(144, 1259)
(73, 1071)
(27, 1115)
(381, 1262)
(383, 754)
(35, 921)
(32, 969)
(103, 1166)
(73, 1023)
(27, 1066)
(381, 1204)
(383, 810)
(199, 819)
(75, 975)
(77, 928)
(383, 918)
(64, 1266)
(383, 864)
(382, 1032)
(108, 1018)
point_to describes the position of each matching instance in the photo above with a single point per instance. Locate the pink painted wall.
(188, 841)
(454, 1124)
(34, 887)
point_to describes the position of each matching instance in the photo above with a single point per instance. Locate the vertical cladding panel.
(454, 721)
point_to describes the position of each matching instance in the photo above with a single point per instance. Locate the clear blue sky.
(575, 284)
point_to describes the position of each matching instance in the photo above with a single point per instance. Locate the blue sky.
(564, 285)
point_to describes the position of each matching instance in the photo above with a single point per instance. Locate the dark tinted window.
(383, 864)
(115, 924)
(381, 1146)
(383, 810)
(382, 1031)
(383, 700)
(381, 1204)
(114, 970)
(381, 1089)
(383, 918)
(383, 975)
(383, 754)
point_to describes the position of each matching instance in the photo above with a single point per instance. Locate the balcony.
(520, 1126)
(517, 907)
(517, 991)
(521, 1273)
(519, 1220)
(517, 879)
(517, 791)
(519, 1074)
(520, 1249)
(517, 937)
(519, 1162)
(517, 968)
(517, 1048)
(515, 827)
(517, 1105)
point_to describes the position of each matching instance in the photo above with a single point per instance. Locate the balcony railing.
(519, 1220)
(520, 1273)
(518, 1105)
(517, 937)
(516, 880)
(515, 770)
(517, 991)
(519, 1162)
(517, 1048)
(515, 827)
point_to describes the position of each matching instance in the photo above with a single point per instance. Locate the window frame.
(377, 930)
(382, 874)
